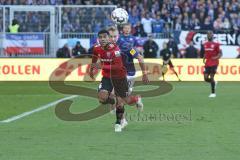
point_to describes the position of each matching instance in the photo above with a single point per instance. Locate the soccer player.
(126, 43)
(114, 36)
(212, 54)
(166, 56)
(114, 77)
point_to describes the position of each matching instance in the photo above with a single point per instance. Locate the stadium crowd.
(152, 16)
(146, 16)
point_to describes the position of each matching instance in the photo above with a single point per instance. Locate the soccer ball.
(119, 16)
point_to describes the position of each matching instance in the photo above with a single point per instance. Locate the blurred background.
(67, 28)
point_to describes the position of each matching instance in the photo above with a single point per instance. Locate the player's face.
(127, 29)
(113, 36)
(103, 39)
(210, 36)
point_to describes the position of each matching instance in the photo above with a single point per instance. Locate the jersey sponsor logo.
(106, 60)
(117, 53)
(209, 49)
(132, 52)
(222, 38)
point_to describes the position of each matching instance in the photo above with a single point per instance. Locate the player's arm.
(135, 54)
(143, 68)
(94, 63)
(204, 59)
(203, 52)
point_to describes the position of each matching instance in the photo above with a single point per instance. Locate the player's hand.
(91, 74)
(145, 78)
(204, 61)
(96, 65)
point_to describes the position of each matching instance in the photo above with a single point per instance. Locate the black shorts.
(169, 63)
(105, 84)
(210, 70)
(120, 86)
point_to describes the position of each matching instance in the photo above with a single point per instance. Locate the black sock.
(119, 114)
(213, 86)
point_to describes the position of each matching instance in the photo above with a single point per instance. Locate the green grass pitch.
(208, 130)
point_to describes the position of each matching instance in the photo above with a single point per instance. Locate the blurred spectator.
(185, 22)
(157, 15)
(194, 22)
(63, 52)
(173, 47)
(218, 24)
(158, 25)
(150, 48)
(78, 50)
(226, 24)
(97, 27)
(14, 27)
(201, 17)
(53, 2)
(147, 23)
(191, 51)
(133, 17)
(76, 25)
(178, 25)
(167, 28)
(67, 27)
(138, 30)
(33, 21)
(207, 24)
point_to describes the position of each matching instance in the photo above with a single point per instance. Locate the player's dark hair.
(14, 22)
(210, 35)
(103, 31)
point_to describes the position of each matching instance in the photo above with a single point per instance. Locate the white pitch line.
(14, 118)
